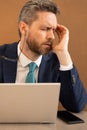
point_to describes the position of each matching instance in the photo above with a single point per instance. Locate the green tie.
(30, 76)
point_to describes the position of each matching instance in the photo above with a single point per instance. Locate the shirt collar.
(24, 61)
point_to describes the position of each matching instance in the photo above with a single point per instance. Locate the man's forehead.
(48, 25)
(47, 19)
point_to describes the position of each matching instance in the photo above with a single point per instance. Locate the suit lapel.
(43, 70)
(49, 69)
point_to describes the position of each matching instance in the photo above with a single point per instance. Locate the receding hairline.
(30, 9)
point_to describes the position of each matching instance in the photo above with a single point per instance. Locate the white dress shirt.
(22, 67)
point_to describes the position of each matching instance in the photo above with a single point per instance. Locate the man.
(37, 28)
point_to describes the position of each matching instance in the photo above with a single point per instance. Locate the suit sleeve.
(73, 95)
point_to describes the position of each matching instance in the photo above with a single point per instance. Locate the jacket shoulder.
(5, 48)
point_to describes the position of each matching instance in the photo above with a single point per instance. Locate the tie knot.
(32, 66)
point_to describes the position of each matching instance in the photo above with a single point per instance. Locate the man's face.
(40, 35)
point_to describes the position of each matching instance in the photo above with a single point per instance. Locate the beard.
(39, 49)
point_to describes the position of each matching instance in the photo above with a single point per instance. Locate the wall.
(73, 15)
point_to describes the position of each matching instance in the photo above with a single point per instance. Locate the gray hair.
(29, 11)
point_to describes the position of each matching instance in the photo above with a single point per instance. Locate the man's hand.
(63, 36)
(61, 49)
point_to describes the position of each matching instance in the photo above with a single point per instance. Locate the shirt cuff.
(65, 68)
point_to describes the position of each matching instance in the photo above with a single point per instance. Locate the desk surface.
(60, 125)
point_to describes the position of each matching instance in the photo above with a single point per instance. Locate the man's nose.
(50, 35)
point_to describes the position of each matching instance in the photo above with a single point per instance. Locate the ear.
(23, 27)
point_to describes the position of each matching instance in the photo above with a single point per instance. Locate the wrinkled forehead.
(46, 19)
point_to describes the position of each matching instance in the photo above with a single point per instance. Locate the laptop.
(29, 103)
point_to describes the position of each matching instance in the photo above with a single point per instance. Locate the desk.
(60, 125)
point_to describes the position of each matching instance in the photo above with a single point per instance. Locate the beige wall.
(73, 15)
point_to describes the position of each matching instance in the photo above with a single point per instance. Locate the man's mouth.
(48, 44)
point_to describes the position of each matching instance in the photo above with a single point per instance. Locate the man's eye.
(44, 29)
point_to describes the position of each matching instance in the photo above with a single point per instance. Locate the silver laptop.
(29, 103)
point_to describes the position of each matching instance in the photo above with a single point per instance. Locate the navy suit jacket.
(72, 95)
